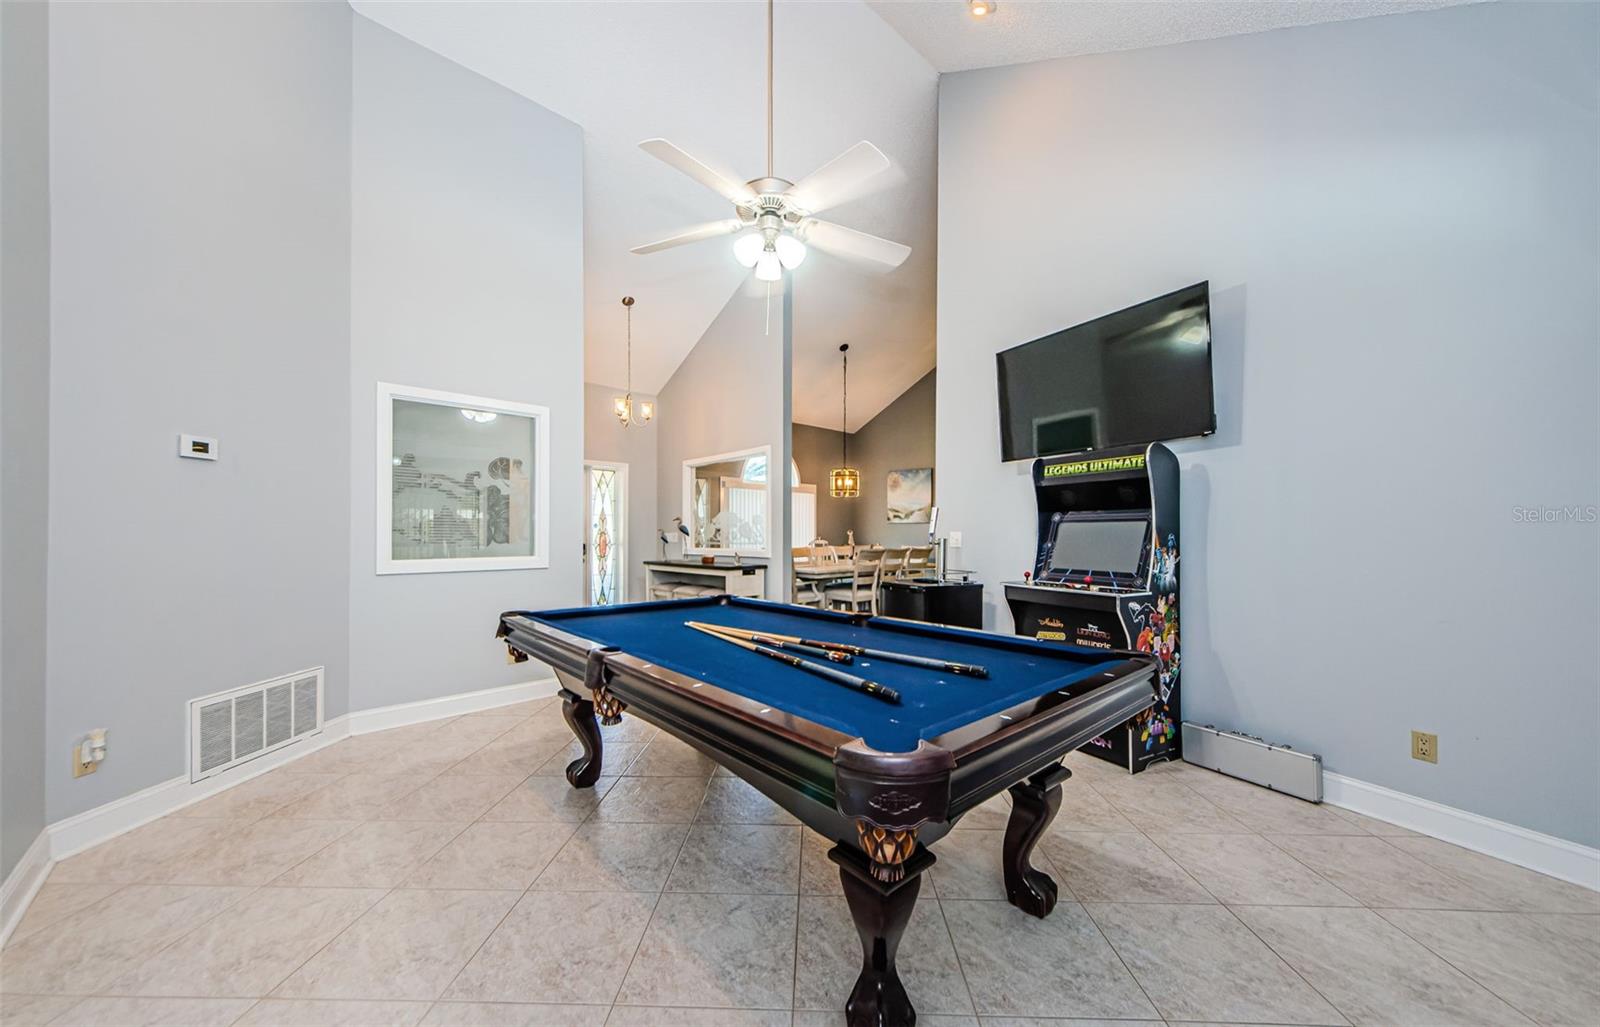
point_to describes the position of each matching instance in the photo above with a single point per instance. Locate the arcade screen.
(1139, 375)
(1101, 546)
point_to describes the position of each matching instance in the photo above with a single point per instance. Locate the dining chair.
(919, 561)
(865, 577)
(803, 591)
(894, 562)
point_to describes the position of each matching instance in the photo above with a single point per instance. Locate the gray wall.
(604, 438)
(731, 393)
(199, 283)
(24, 420)
(816, 450)
(1398, 219)
(900, 436)
(467, 264)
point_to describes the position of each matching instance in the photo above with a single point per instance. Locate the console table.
(744, 579)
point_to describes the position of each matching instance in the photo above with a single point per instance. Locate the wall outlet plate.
(955, 540)
(1424, 747)
(80, 768)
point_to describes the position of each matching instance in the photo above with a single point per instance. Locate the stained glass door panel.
(605, 533)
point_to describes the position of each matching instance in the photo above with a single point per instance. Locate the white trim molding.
(1544, 853)
(385, 717)
(91, 827)
(23, 883)
(87, 829)
(119, 816)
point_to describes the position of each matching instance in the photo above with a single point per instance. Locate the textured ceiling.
(1034, 30)
(694, 73)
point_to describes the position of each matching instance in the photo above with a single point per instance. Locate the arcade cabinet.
(1106, 576)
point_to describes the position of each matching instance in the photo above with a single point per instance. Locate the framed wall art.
(909, 493)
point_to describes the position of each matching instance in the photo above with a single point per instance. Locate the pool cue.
(969, 669)
(838, 677)
(831, 655)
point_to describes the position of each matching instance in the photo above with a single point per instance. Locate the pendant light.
(623, 406)
(844, 480)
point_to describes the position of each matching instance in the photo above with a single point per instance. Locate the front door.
(605, 540)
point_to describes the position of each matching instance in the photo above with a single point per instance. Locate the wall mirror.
(725, 504)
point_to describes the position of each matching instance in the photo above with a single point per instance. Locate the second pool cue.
(821, 670)
(777, 642)
(931, 663)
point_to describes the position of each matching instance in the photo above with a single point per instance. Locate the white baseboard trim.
(23, 883)
(91, 827)
(385, 717)
(119, 816)
(1545, 853)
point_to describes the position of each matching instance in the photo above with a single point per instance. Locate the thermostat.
(197, 447)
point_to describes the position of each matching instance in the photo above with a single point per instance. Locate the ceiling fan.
(777, 216)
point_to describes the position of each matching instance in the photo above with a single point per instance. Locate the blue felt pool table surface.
(932, 702)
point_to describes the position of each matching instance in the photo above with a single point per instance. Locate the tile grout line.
(521, 895)
(656, 907)
(1446, 959)
(799, 885)
(961, 967)
(1319, 875)
(1154, 1006)
(249, 891)
(1237, 919)
(341, 933)
(1285, 959)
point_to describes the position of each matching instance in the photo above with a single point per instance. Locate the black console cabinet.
(957, 603)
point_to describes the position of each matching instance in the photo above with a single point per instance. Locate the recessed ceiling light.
(981, 8)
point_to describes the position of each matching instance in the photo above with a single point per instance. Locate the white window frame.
(688, 504)
(387, 394)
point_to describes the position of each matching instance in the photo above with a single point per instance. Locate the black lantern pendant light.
(845, 481)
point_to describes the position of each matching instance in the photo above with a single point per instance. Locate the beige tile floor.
(446, 874)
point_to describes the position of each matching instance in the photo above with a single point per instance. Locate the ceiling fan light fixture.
(769, 208)
(791, 251)
(747, 248)
(769, 268)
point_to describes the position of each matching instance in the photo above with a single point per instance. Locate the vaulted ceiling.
(695, 74)
(846, 70)
(1019, 31)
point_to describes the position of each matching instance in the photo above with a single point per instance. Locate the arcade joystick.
(1027, 576)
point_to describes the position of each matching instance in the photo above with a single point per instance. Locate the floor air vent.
(231, 727)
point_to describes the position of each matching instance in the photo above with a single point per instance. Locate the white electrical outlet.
(955, 540)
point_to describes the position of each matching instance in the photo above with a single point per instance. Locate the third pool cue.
(821, 670)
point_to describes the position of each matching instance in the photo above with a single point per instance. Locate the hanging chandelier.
(844, 480)
(623, 406)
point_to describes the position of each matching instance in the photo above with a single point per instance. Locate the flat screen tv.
(1139, 375)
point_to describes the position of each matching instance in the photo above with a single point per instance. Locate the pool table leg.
(584, 771)
(881, 910)
(1034, 803)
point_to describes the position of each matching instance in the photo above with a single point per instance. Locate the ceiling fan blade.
(883, 254)
(720, 182)
(695, 233)
(840, 179)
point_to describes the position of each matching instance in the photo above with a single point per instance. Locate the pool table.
(881, 780)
